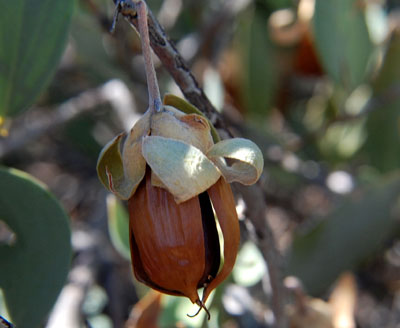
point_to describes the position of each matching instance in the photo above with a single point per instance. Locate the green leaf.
(35, 267)
(383, 130)
(250, 266)
(91, 43)
(342, 140)
(118, 226)
(342, 40)
(383, 138)
(259, 65)
(33, 35)
(389, 73)
(349, 235)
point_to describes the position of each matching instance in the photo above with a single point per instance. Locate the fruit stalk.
(155, 104)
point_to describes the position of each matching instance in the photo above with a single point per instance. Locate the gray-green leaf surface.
(349, 235)
(35, 267)
(33, 35)
(342, 40)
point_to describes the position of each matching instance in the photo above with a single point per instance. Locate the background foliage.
(315, 85)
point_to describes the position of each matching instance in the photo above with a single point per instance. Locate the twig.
(138, 9)
(253, 195)
(256, 212)
(176, 66)
(25, 129)
(214, 34)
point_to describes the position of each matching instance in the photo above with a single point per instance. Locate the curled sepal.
(247, 158)
(111, 171)
(182, 168)
(133, 161)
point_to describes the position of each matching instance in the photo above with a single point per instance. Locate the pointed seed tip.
(201, 306)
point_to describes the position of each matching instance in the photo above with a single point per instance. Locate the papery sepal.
(182, 168)
(247, 160)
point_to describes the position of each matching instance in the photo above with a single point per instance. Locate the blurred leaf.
(383, 137)
(3, 309)
(35, 267)
(250, 265)
(95, 301)
(79, 132)
(342, 40)
(146, 312)
(278, 4)
(351, 233)
(118, 226)
(390, 71)
(100, 321)
(97, 52)
(377, 21)
(33, 35)
(342, 140)
(213, 87)
(259, 66)
(383, 130)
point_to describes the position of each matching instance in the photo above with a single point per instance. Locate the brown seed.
(175, 248)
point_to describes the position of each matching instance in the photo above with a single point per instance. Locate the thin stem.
(175, 65)
(152, 84)
(116, 14)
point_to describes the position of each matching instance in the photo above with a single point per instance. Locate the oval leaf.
(342, 40)
(35, 267)
(349, 235)
(182, 168)
(250, 266)
(33, 35)
(260, 70)
(382, 144)
(249, 161)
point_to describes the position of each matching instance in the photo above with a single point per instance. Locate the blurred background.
(316, 84)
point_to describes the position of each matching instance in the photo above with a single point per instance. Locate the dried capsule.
(175, 180)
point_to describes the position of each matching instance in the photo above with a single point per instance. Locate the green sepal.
(111, 172)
